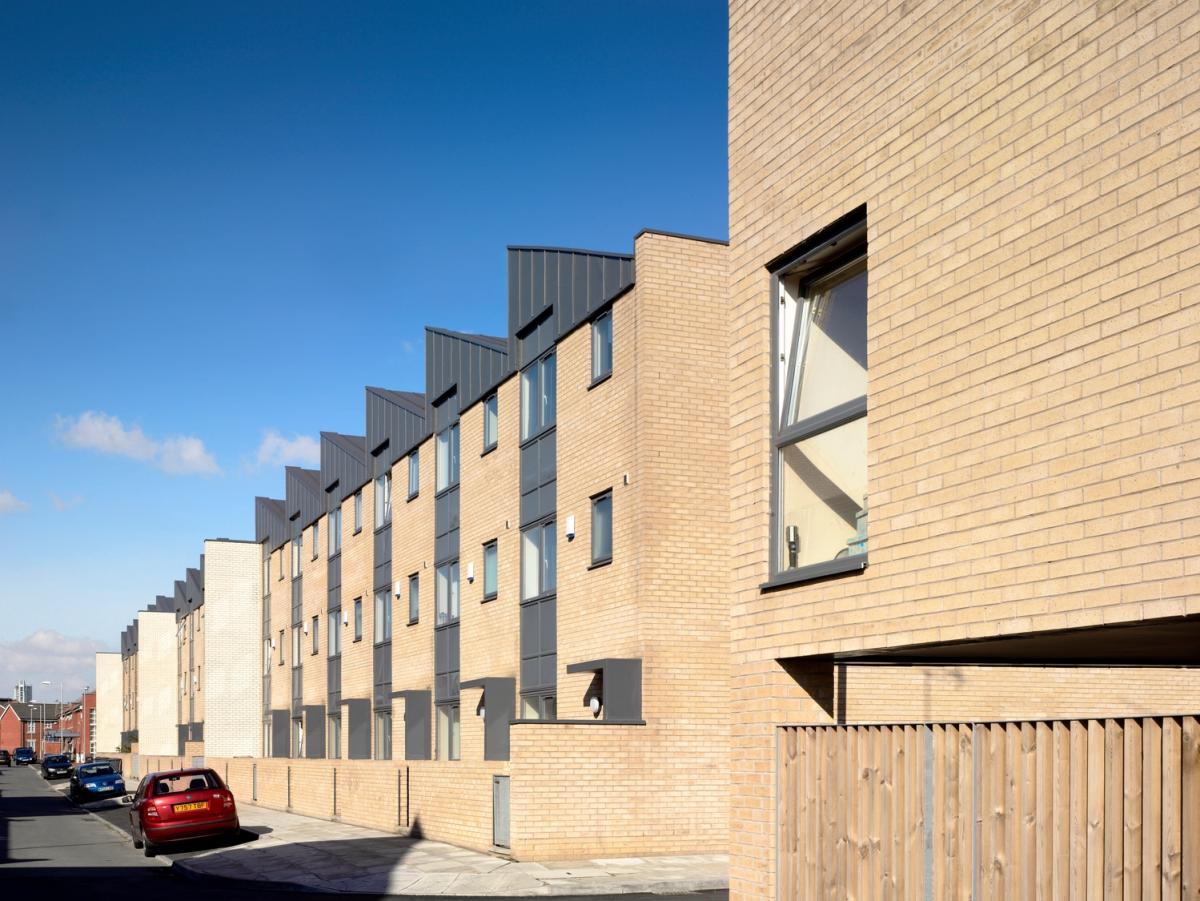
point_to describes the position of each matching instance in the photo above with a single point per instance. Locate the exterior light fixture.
(570, 532)
(471, 571)
(481, 712)
(594, 704)
(345, 617)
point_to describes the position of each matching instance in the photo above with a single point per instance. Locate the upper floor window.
(335, 531)
(383, 616)
(267, 575)
(447, 457)
(602, 527)
(358, 511)
(414, 598)
(491, 423)
(602, 347)
(538, 561)
(297, 550)
(316, 634)
(333, 635)
(446, 591)
(537, 396)
(358, 619)
(295, 646)
(820, 428)
(414, 474)
(316, 542)
(383, 500)
(490, 560)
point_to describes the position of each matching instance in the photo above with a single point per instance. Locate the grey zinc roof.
(305, 499)
(395, 425)
(472, 364)
(270, 521)
(343, 465)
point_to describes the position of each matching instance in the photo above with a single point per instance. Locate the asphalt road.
(44, 837)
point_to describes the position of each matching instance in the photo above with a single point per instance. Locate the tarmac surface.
(43, 835)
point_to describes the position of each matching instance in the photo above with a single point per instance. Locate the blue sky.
(220, 221)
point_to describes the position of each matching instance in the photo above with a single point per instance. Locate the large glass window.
(602, 527)
(491, 423)
(333, 741)
(383, 735)
(383, 500)
(295, 646)
(414, 474)
(490, 573)
(333, 638)
(447, 457)
(414, 598)
(383, 616)
(602, 347)
(537, 397)
(538, 561)
(335, 531)
(446, 591)
(448, 732)
(539, 707)
(297, 550)
(821, 429)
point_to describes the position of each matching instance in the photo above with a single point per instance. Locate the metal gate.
(1065, 809)
(500, 794)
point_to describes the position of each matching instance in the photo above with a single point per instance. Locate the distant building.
(23, 692)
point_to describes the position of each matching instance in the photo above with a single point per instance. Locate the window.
(333, 633)
(447, 458)
(358, 619)
(297, 548)
(316, 542)
(297, 737)
(448, 732)
(333, 741)
(602, 347)
(358, 511)
(383, 500)
(335, 531)
(820, 434)
(491, 423)
(447, 593)
(267, 576)
(280, 647)
(537, 397)
(489, 570)
(602, 528)
(383, 735)
(316, 630)
(414, 475)
(266, 656)
(414, 598)
(383, 617)
(538, 564)
(280, 577)
(539, 707)
(295, 646)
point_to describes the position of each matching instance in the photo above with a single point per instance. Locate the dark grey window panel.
(445, 409)
(395, 425)
(539, 467)
(181, 731)
(297, 601)
(196, 731)
(499, 710)
(314, 731)
(417, 708)
(539, 644)
(333, 680)
(297, 688)
(446, 662)
(538, 503)
(620, 679)
(335, 599)
(536, 340)
(445, 525)
(270, 522)
(281, 733)
(305, 498)
(574, 283)
(472, 364)
(333, 574)
(358, 728)
(383, 558)
(381, 668)
(343, 464)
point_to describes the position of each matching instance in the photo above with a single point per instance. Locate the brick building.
(27, 725)
(966, 612)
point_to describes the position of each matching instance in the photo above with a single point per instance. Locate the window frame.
(448, 741)
(333, 545)
(383, 736)
(358, 511)
(599, 375)
(333, 736)
(333, 636)
(414, 473)
(549, 523)
(316, 635)
(450, 468)
(599, 496)
(297, 553)
(542, 425)
(316, 538)
(358, 619)
(841, 247)
(453, 596)
(414, 598)
(494, 547)
(386, 620)
(383, 489)
(491, 422)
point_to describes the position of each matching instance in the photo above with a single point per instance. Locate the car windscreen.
(57, 760)
(95, 769)
(185, 782)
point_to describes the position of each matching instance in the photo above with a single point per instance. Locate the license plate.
(196, 805)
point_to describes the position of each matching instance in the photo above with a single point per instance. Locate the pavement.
(286, 851)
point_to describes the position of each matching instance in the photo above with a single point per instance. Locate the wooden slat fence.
(1071, 809)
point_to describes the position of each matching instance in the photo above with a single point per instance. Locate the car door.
(135, 809)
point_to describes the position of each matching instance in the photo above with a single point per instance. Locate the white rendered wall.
(232, 648)
(157, 678)
(108, 702)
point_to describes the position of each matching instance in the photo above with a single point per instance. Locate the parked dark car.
(5, 758)
(179, 805)
(24, 757)
(56, 766)
(96, 780)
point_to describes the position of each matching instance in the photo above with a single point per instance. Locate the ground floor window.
(539, 707)
(448, 732)
(297, 737)
(334, 740)
(266, 739)
(383, 735)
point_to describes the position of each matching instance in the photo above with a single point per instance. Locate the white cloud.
(65, 503)
(275, 450)
(11, 504)
(50, 655)
(175, 454)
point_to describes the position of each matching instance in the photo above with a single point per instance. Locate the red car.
(181, 805)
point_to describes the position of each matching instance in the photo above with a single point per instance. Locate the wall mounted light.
(345, 617)
(471, 571)
(306, 628)
(481, 712)
(595, 705)
(570, 528)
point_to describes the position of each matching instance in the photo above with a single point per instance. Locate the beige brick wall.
(232, 656)
(108, 702)
(315, 600)
(157, 680)
(1030, 175)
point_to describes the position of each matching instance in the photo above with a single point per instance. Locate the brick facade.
(108, 702)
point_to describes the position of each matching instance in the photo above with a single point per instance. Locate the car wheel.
(148, 849)
(137, 843)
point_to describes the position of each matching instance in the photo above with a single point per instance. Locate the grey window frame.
(605, 495)
(453, 732)
(600, 374)
(839, 247)
(491, 432)
(297, 553)
(383, 489)
(358, 619)
(385, 635)
(494, 547)
(450, 469)
(358, 511)
(414, 598)
(453, 589)
(333, 736)
(333, 633)
(414, 473)
(333, 545)
(316, 635)
(542, 424)
(550, 524)
(383, 737)
(316, 538)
